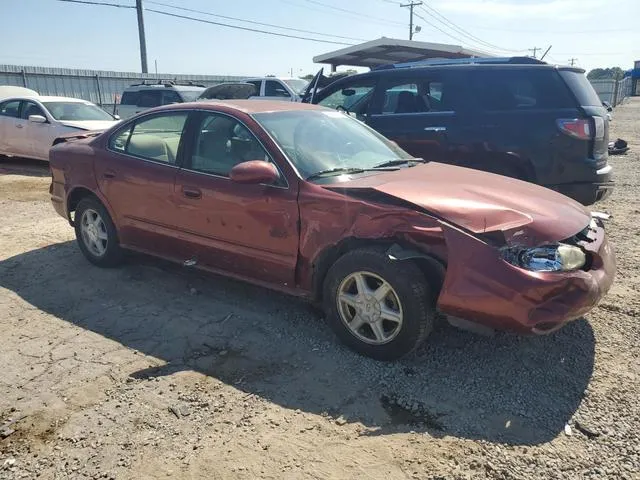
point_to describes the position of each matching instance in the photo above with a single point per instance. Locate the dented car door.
(246, 230)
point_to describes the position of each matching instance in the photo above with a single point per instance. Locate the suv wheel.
(379, 307)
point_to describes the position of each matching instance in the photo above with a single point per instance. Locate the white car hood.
(91, 124)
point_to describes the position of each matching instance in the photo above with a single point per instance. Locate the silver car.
(30, 124)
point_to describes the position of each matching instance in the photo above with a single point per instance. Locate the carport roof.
(392, 50)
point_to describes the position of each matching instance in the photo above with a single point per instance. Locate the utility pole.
(143, 41)
(411, 5)
(572, 61)
(535, 50)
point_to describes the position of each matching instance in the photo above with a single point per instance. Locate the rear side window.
(129, 98)
(155, 138)
(581, 87)
(170, 96)
(520, 89)
(150, 98)
(421, 96)
(10, 109)
(257, 84)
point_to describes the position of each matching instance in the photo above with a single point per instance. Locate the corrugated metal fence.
(613, 91)
(97, 86)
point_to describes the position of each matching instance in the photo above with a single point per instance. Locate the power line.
(436, 15)
(251, 21)
(458, 39)
(87, 2)
(238, 27)
(554, 32)
(353, 12)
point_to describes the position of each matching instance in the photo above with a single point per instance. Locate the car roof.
(157, 86)
(259, 106)
(420, 69)
(45, 98)
(249, 106)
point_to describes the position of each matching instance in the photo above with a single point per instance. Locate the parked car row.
(143, 96)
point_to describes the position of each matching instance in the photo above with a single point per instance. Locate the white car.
(274, 88)
(30, 124)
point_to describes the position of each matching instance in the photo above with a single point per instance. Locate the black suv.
(518, 117)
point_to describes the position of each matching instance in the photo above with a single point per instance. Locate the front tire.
(379, 307)
(96, 233)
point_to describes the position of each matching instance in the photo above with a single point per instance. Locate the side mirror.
(37, 119)
(254, 172)
(116, 117)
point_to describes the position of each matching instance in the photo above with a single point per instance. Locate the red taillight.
(575, 127)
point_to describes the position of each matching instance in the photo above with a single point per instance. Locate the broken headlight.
(547, 258)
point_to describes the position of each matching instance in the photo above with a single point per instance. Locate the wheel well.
(74, 198)
(432, 268)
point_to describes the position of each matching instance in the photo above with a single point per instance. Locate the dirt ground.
(152, 371)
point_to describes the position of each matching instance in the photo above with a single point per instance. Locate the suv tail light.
(576, 127)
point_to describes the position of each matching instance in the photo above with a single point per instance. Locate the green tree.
(613, 73)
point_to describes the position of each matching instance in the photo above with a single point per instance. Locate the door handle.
(191, 192)
(435, 129)
(109, 174)
(19, 125)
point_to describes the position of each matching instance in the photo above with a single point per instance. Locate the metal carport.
(392, 50)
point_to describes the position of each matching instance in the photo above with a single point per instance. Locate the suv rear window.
(520, 89)
(581, 88)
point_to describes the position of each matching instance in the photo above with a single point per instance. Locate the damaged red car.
(314, 203)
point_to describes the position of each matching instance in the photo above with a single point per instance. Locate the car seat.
(149, 146)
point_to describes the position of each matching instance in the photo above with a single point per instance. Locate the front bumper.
(481, 287)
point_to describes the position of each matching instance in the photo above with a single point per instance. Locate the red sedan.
(312, 202)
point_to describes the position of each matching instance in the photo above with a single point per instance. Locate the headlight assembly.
(547, 258)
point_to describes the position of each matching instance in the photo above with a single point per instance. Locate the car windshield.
(297, 85)
(191, 95)
(76, 111)
(325, 140)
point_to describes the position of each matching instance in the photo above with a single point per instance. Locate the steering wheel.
(340, 108)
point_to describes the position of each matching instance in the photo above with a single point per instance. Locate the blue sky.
(599, 33)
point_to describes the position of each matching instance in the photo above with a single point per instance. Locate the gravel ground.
(151, 371)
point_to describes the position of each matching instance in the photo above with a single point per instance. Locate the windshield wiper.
(335, 171)
(401, 161)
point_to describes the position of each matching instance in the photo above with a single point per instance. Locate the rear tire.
(96, 233)
(379, 307)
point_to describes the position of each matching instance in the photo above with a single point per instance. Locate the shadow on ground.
(510, 389)
(23, 166)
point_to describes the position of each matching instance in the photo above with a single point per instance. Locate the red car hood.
(482, 202)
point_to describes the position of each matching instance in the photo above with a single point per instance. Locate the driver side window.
(30, 108)
(222, 143)
(354, 97)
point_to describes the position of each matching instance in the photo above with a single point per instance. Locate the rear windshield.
(520, 89)
(581, 87)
